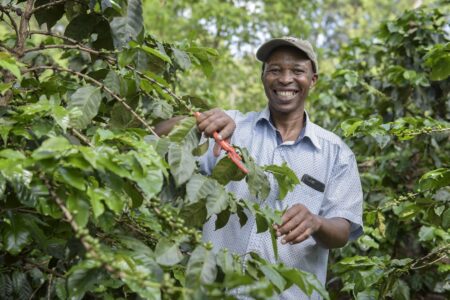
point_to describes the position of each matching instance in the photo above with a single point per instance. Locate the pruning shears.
(231, 152)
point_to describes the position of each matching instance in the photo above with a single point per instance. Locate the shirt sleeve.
(343, 195)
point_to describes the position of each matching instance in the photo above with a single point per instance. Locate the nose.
(286, 77)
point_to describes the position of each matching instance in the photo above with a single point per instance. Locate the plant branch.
(5, 10)
(102, 86)
(110, 59)
(82, 137)
(78, 47)
(49, 33)
(440, 252)
(85, 239)
(50, 4)
(23, 28)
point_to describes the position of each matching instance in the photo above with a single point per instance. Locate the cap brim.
(263, 52)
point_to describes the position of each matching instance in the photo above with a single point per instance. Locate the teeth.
(286, 93)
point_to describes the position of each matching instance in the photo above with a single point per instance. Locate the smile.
(286, 95)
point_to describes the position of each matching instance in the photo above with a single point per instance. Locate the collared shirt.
(317, 153)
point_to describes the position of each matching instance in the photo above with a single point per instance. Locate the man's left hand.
(298, 224)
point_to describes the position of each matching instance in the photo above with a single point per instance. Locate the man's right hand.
(216, 120)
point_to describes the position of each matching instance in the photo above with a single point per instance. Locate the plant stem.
(102, 86)
(23, 29)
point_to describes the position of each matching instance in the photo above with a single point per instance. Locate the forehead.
(287, 55)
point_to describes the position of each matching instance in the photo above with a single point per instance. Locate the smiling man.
(325, 210)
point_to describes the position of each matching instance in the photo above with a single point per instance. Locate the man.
(323, 212)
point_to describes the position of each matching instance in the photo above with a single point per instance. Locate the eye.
(299, 71)
(273, 70)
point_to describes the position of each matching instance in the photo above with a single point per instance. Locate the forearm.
(165, 127)
(332, 233)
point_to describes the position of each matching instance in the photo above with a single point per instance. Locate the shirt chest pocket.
(311, 198)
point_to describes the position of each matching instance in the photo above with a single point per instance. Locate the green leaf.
(286, 178)
(201, 268)
(182, 163)
(156, 53)
(273, 276)
(400, 290)
(307, 282)
(95, 198)
(5, 286)
(5, 87)
(201, 187)
(160, 109)
(114, 201)
(152, 183)
(182, 129)
(167, 253)
(82, 277)
(426, 233)
(435, 179)
(9, 63)
(226, 171)
(257, 181)
(73, 177)
(201, 149)
(438, 59)
(15, 235)
(115, 83)
(49, 15)
(20, 286)
(85, 26)
(53, 147)
(222, 219)
(181, 58)
(87, 100)
(258, 184)
(128, 27)
(61, 117)
(79, 209)
(349, 126)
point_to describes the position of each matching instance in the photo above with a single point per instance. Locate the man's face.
(287, 78)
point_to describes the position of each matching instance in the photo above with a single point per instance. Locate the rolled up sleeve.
(343, 195)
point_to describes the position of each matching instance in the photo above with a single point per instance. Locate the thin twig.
(5, 10)
(49, 33)
(102, 86)
(54, 3)
(49, 287)
(82, 137)
(78, 47)
(431, 254)
(112, 60)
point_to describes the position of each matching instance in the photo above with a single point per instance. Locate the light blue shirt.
(318, 153)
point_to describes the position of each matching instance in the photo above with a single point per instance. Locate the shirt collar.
(309, 130)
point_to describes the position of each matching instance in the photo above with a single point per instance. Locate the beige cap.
(266, 49)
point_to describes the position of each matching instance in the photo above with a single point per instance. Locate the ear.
(314, 79)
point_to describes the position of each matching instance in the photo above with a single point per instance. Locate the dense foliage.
(94, 204)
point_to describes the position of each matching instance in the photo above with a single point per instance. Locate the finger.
(215, 126)
(228, 130)
(205, 118)
(291, 212)
(304, 236)
(289, 226)
(293, 234)
(216, 149)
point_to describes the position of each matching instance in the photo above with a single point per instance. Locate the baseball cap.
(266, 49)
